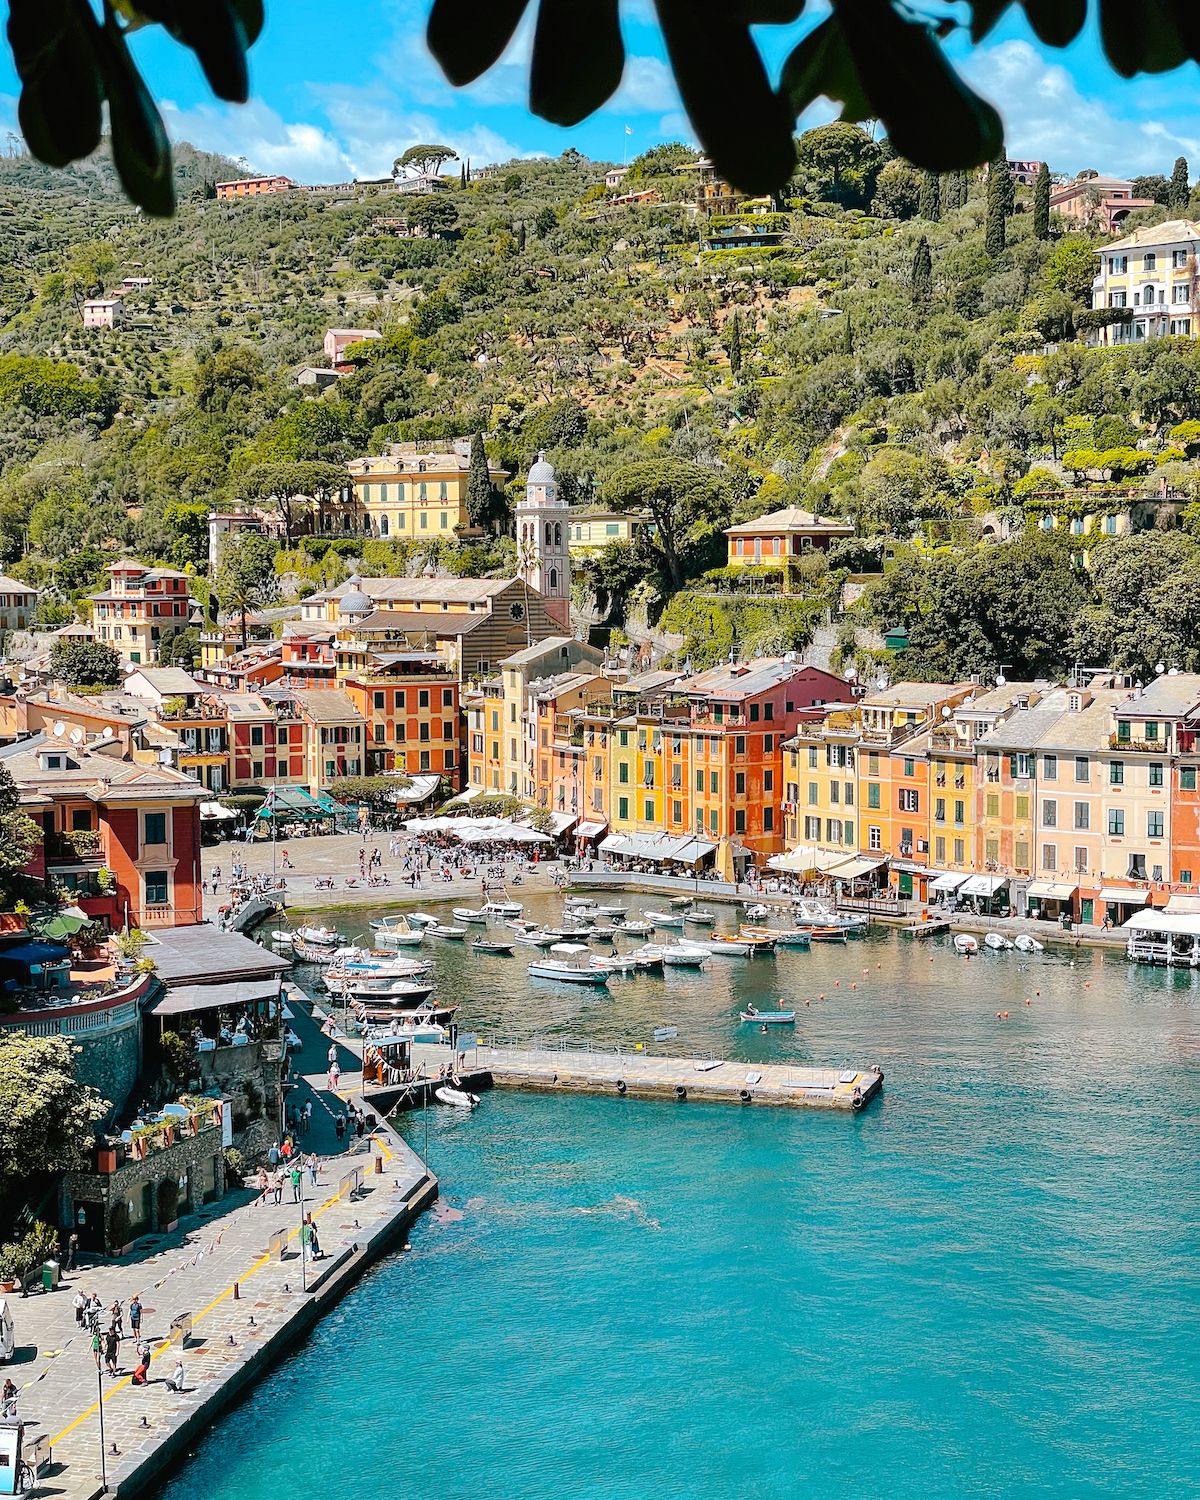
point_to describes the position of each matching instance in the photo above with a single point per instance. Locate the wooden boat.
(965, 944)
(828, 935)
(1024, 943)
(700, 918)
(567, 968)
(490, 945)
(795, 937)
(468, 914)
(503, 908)
(740, 946)
(664, 918)
(769, 1017)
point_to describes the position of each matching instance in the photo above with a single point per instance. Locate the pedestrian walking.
(332, 1054)
(339, 1127)
(112, 1347)
(8, 1399)
(335, 1076)
(277, 1184)
(72, 1248)
(311, 1165)
(118, 1318)
(274, 1155)
(307, 1115)
(283, 858)
(295, 1175)
(135, 1316)
(263, 1184)
(96, 1346)
(79, 1303)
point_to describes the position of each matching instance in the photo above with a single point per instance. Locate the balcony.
(1150, 747)
(73, 845)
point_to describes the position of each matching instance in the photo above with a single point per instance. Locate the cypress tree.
(479, 484)
(1006, 187)
(462, 175)
(1041, 203)
(1178, 192)
(921, 282)
(999, 185)
(848, 331)
(735, 346)
(928, 202)
(521, 235)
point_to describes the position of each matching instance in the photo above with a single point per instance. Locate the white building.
(543, 541)
(1152, 274)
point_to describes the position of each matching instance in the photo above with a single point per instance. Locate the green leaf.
(54, 49)
(821, 66)
(985, 14)
(1056, 22)
(932, 117)
(1153, 38)
(213, 30)
(141, 150)
(569, 81)
(467, 38)
(741, 122)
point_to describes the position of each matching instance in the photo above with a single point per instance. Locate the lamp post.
(303, 1237)
(100, 1414)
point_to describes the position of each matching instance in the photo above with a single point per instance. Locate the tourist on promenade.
(79, 1303)
(8, 1400)
(176, 1381)
(295, 1174)
(263, 1184)
(143, 1363)
(96, 1346)
(135, 1316)
(274, 1155)
(112, 1347)
(339, 1126)
(72, 1248)
(311, 1164)
(335, 1076)
(118, 1318)
(277, 1184)
(307, 1114)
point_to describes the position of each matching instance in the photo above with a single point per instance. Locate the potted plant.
(11, 1266)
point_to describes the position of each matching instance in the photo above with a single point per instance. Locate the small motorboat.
(646, 960)
(443, 930)
(283, 936)
(827, 934)
(997, 942)
(681, 901)
(382, 1017)
(468, 914)
(795, 937)
(769, 1017)
(683, 955)
(576, 905)
(573, 966)
(311, 953)
(664, 918)
(319, 937)
(421, 919)
(964, 943)
(614, 913)
(568, 934)
(503, 908)
(756, 912)
(534, 938)
(637, 927)
(700, 918)
(1024, 943)
(395, 932)
(740, 946)
(458, 1098)
(402, 991)
(490, 945)
(604, 934)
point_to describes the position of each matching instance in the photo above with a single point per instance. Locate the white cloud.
(260, 135)
(1047, 117)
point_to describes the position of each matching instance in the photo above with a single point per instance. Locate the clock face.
(517, 611)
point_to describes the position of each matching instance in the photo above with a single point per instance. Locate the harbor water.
(986, 1284)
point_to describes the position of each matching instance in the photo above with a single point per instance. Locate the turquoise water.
(986, 1284)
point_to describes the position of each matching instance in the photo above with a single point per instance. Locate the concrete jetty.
(226, 1295)
(576, 1068)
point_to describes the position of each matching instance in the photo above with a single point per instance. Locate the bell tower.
(543, 548)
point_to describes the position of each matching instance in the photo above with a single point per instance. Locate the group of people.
(106, 1342)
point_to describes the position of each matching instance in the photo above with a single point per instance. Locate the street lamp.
(100, 1409)
(303, 1239)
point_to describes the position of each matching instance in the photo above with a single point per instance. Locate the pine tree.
(735, 346)
(999, 186)
(1179, 191)
(521, 235)
(921, 283)
(479, 484)
(1041, 203)
(928, 203)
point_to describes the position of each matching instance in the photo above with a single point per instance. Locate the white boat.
(817, 914)
(572, 967)
(459, 1098)
(312, 953)
(397, 992)
(700, 918)
(395, 932)
(756, 912)
(664, 918)
(647, 960)
(616, 913)
(637, 928)
(503, 908)
(569, 934)
(964, 943)
(443, 930)
(997, 942)
(575, 904)
(534, 939)
(468, 914)
(1026, 944)
(678, 955)
(769, 1017)
(601, 934)
(319, 937)
(491, 946)
(421, 919)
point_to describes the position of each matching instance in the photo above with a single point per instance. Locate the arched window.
(383, 526)
(553, 579)
(549, 534)
(558, 534)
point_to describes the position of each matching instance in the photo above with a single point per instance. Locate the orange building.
(409, 701)
(254, 187)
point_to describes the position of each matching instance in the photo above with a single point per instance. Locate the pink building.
(103, 312)
(338, 340)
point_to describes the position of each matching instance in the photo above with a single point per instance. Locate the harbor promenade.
(227, 1292)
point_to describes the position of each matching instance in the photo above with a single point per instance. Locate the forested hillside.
(909, 353)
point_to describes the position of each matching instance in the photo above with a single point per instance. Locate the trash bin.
(51, 1275)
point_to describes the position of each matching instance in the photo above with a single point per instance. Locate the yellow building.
(1152, 273)
(593, 530)
(410, 493)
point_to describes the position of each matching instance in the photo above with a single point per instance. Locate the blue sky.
(339, 90)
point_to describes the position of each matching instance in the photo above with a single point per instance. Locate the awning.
(292, 802)
(508, 833)
(1125, 895)
(659, 846)
(188, 999)
(419, 789)
(560, 822)
(1185, 905)
(944, 884)
(983, 885)
(213, 812)
(808, 858)
(591, 830)
(855, 869)
(1051, 890)
(31, 953)
(1164, 921)
(62, 926)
